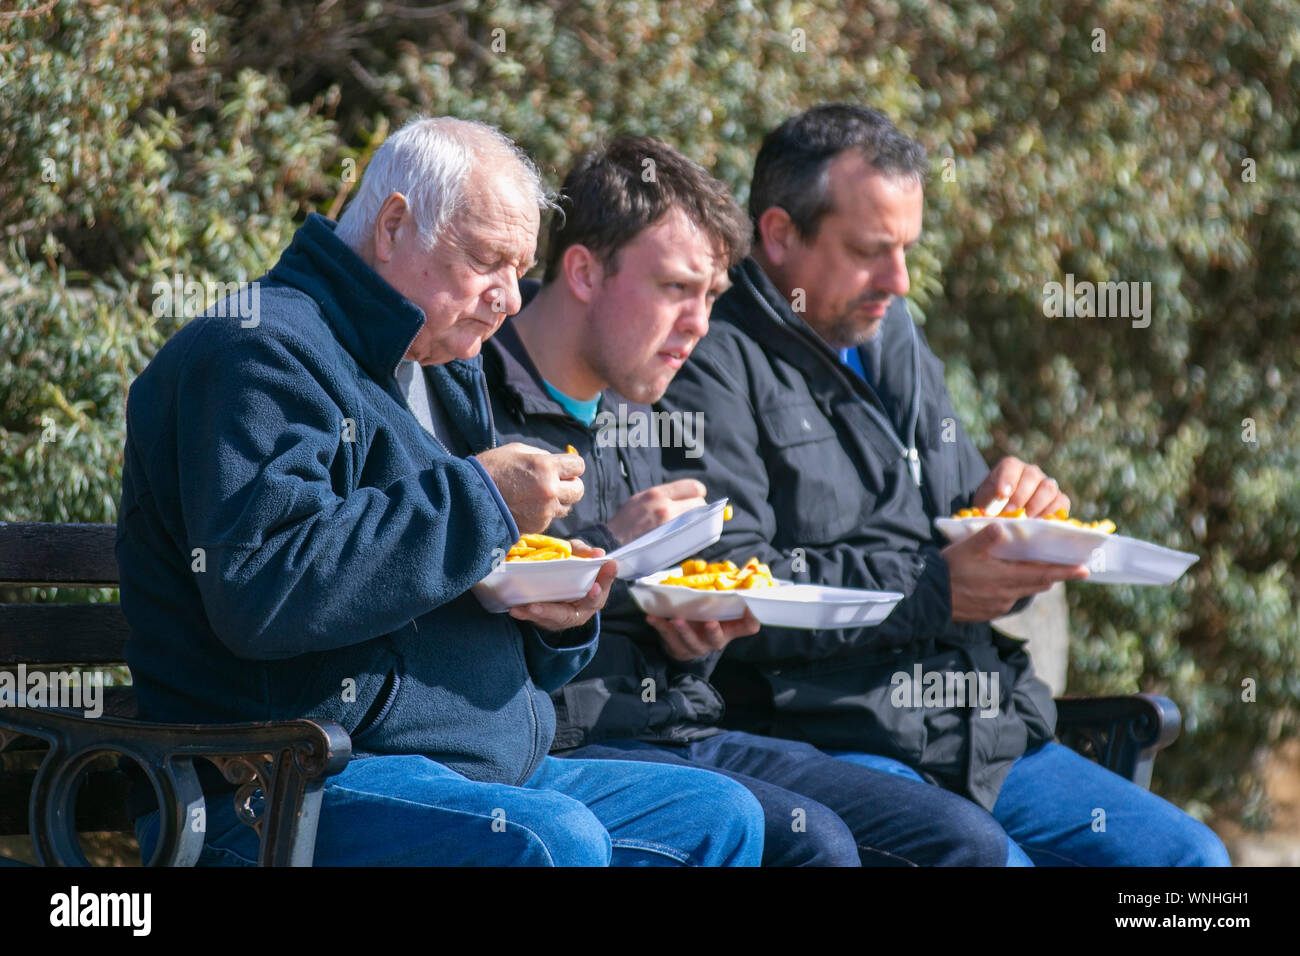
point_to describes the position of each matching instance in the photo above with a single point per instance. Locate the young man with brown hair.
(633, 268)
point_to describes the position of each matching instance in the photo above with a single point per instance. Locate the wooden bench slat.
(117, 701)
(33, 554)
(62, 633)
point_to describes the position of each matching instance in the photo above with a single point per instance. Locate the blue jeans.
(413, 811)
(825, 812)
(1064, 810)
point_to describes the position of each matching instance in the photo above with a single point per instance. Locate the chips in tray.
(539, 547)
(1106, 526)
(722, 576)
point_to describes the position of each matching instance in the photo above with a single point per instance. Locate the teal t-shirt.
(584, 412)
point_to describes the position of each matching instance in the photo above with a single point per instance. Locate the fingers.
(569, 466)
(1062, 503)
(568, 492)
(742, 627)
(688, 640)
(1000, 483)
(555, 616)
(1018, 579)
(537, 486)
(988, 537)
(1014, 484)
(568, 488)
(1035, 492)
(600, 590)
(583, 550)
(1030, 477)
(683, 488)
(595, 598)
(680, 642)
(1048, 574)
(647, 510)
(1040, 502)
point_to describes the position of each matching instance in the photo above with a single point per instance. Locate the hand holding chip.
(537, 486)
(1016, 484)
(647, 510)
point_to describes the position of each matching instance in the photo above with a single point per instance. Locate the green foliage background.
(140, 140)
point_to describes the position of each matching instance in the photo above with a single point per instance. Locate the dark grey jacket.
(825, 491)
(631, 689)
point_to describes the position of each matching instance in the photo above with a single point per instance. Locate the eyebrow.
(881, 240)
(685, 274)
(502, 253)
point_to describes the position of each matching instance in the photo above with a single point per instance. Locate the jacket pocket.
(380, 708)
(343, 685)
(799, 423)
(809, 475)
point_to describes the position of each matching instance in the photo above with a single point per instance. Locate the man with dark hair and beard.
(833, 434)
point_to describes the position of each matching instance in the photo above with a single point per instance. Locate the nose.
(893, 277)
(504, 298)
(695, 317)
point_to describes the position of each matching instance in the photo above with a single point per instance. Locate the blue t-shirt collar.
(583, 411)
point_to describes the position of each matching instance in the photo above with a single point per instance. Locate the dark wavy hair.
(791, 168)
(613, 193)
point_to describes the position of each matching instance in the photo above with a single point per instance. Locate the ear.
(776, 233)
(582, 272)
(388, 226)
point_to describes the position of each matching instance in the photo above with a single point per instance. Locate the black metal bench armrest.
(1123, 734)
(287, 761)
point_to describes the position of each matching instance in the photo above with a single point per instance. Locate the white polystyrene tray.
(670, 600)
(523, 582)
(1110, 558)
(567, 579)
(786, 605)
(685, 535)
(815, 606)
(1126, 560)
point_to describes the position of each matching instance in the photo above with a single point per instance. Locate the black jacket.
(824, 491)
(631, 689)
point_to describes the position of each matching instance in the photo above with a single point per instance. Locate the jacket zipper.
(518, 645)
(536, 751)
(907, 452)
(487, 404)
(382, 712)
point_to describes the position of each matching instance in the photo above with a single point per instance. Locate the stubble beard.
(845, 332)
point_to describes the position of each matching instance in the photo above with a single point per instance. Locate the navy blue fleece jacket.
(293, 544)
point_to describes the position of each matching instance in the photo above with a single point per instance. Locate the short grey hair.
(429, 161)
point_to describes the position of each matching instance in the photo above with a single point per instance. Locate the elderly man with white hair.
(302, 520)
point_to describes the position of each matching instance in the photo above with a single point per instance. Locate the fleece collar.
(375, 322)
